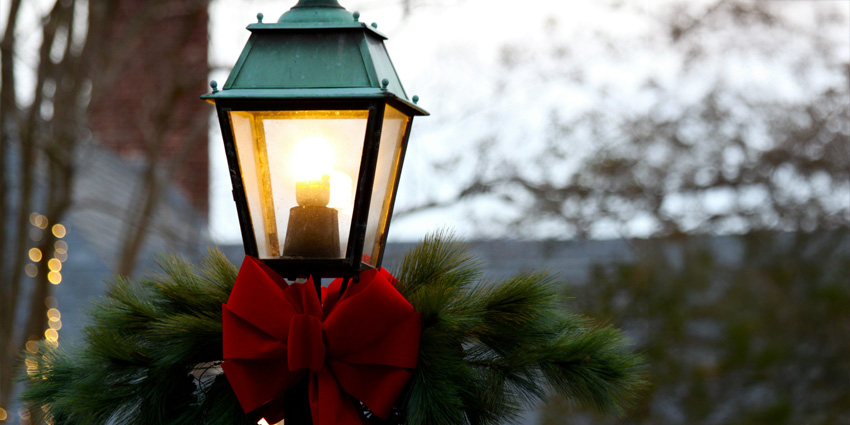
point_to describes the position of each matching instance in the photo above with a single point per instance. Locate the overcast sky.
(449, 51)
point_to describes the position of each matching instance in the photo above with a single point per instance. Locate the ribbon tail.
(329, 405)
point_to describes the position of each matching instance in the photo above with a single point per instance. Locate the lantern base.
(312, 232)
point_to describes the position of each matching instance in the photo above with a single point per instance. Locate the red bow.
(363, 344)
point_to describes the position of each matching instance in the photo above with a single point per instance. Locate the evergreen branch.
(487, 349)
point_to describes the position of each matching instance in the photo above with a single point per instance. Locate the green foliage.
(739, 330)
(145, 354)
(488, 349)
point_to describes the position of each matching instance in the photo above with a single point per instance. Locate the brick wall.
(145, 103)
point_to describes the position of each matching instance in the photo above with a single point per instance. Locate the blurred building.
(148, 126)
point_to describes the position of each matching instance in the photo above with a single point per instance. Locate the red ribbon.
(363, 345)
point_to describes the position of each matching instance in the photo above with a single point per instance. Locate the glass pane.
(299, 169)
(386, 173)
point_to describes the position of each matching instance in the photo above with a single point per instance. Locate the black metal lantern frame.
(317, 66)
(354, 249)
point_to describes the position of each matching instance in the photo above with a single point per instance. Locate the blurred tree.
(738, 330)
(37, 146)
(718, 116)
(50, 84)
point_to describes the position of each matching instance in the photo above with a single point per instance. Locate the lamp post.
(315, 124)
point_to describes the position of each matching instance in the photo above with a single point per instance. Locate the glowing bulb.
(54, 264)
(59, 230)
(311, 159)
(54, 314)
(51, 335)
(35, 254)
(316, 182)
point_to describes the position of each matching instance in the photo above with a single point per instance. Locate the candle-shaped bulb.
(313, 228)
(312, 163)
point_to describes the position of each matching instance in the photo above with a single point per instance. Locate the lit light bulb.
(312, 158)
(312, 162)
(317, 184)
(313, 227)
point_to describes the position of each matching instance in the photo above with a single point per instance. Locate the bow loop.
(363, 344)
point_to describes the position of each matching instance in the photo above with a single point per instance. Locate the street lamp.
(315, 124)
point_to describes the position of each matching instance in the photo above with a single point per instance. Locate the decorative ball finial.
(375, 25)
(356, 15)
(415, 99)
(384, 83)
(260, 18)
(214, 86)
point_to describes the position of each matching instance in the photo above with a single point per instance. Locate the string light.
(54, 314)
(54, 277)
(59, 230)
(51, 335)
(35, 254)
(24, 414)
(38, 220)
(31, 270)
(54, 265)
(32, 366)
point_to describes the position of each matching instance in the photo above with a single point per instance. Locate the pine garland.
(488, 349)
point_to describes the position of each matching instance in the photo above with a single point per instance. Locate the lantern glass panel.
(299, 170)
(386, 173)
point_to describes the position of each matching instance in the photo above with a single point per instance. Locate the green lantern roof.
(315, 50)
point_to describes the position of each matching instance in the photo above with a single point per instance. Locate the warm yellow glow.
(3, 414)
(31, 270)
(24, 413)
(38, 220)
(340, 190)
(35, 254)
(51, 335)
(32, 366)
(262, 422)
(55, 324)
(61, 247)
(312, 158)
(59, 230)
(54, 277)
(54, 264)
(32, 346)
(54, 314)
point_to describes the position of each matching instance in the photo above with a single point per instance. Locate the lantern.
(315, 124)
